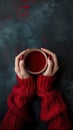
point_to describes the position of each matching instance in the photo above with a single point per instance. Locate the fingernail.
(22, 57)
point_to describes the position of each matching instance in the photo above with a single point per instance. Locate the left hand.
(19, 65)
(52, 63)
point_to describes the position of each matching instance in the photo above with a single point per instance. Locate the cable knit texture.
(53, 109)
(18, 104)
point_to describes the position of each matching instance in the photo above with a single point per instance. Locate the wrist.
(21, 80)
(26, 76)
(47, 74)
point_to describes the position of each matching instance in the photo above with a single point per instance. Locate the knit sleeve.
(53, 109)
(19, 101)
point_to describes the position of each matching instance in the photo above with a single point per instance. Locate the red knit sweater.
(53, 109)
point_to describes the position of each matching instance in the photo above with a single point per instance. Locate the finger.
(49, 68)
(21, 64)
(55, 63)
(17, 59)
(47, 51)
(50, 63)
(54, 57)
(22, 53)
(50, 54)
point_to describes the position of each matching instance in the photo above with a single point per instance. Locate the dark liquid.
(35, 61)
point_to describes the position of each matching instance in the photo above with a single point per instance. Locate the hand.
(19, 65)
(52, 63)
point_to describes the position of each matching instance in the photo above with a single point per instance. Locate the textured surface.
(34, 24)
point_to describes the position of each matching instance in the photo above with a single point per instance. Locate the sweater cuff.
(22, 80)
(25, 87)
(44, 83)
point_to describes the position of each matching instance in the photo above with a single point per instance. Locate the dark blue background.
(44, 23)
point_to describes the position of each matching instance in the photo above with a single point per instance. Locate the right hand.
(52, 63)
(19, 65)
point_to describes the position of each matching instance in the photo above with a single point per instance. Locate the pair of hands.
(52, 67)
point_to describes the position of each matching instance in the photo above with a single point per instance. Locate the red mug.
(35, 61)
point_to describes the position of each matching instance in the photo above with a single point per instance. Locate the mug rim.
(45, 66)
